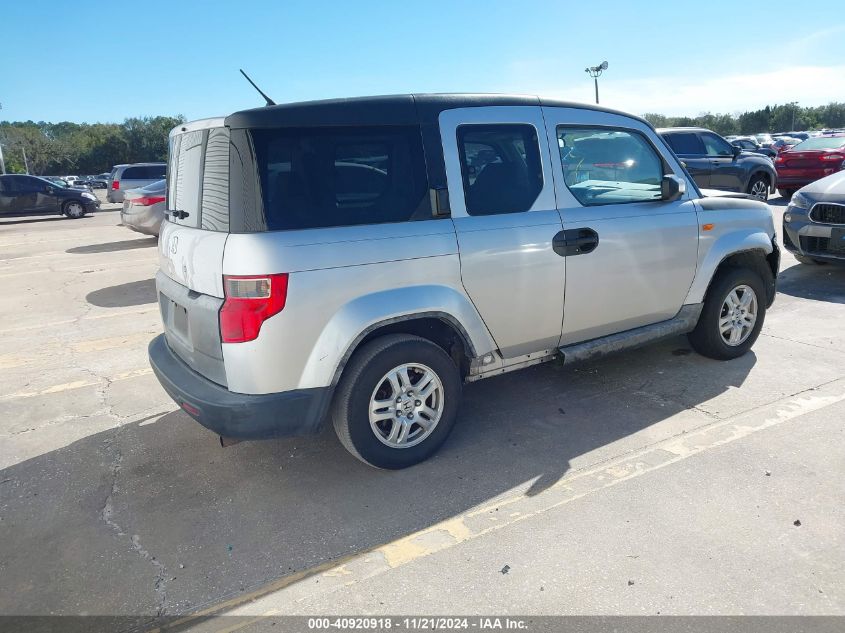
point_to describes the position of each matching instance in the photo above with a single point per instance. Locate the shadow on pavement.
(156, 517)
(6, 221)
(109, 247)
(820, 283)
(133, 293)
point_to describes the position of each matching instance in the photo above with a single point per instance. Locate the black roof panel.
(406, 109)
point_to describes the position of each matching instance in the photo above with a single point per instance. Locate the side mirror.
(736, 150)
(672, 188)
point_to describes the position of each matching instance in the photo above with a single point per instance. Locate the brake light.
(115, 184)
(780, 159)
(249, 302)
(146, 201)
(827, 157)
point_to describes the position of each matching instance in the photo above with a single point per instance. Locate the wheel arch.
(440, 314)
(757, 260)
(752, 249)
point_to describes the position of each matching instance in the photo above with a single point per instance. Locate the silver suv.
(133, 176)
(358, 260)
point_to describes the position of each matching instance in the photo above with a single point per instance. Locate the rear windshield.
(322, 177)
(821, 142)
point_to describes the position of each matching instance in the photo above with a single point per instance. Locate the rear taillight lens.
(115, 184)
(780, 159)
(832, 157)
(145, 201)
(249, 302)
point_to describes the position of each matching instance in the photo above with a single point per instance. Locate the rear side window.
(184, 184)
(685, 143)
(144, 172)
(323, 177)
(501, 168)
(605, 166)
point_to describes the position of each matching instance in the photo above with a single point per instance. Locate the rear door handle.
(575, 242)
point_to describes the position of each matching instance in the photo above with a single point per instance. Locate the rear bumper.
(114, 195)
(242, 416)
(145, 220)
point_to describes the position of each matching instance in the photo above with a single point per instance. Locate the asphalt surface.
(653, 481)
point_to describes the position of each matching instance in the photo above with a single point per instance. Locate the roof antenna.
(266, 98)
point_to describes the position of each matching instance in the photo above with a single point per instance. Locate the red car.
(808, 161)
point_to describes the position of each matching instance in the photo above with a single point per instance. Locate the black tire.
(786, 194)
(361, 377)
(706, 338)
(803, 259)
(754, 182)
(69, 209)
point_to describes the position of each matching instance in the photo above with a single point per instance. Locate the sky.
(88, 61)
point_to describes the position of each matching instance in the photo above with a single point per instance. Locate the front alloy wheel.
(738, 315)
(732, 315)
(759, 189)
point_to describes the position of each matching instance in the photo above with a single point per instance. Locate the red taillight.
(115, 184)
(145, 201)
(780, 159)
(832, 157)
(249, 302)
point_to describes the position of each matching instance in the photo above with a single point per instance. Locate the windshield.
(822, 142)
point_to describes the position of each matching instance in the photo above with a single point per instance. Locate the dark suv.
(716, 164)
(21, 194)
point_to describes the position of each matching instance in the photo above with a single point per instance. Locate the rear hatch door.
(191, 245)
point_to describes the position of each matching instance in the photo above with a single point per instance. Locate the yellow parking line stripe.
(476, 523)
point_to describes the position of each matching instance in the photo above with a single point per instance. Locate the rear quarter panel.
(342, 282)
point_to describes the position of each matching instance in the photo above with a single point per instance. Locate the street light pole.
(794, 105)
(595, 72)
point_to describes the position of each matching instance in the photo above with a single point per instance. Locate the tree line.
(778, 118)
(83, 148)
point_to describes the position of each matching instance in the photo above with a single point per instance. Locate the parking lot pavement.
(654, 481)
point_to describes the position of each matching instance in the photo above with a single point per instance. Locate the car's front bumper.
(813, 240)
(236, 415)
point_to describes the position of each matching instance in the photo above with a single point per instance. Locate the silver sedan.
(143, 209)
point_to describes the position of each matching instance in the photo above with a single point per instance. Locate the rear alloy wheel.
(73, 209)
(397, 401)
(732, 316)
(759, 187)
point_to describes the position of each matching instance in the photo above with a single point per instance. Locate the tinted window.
(26, 184)
(685, 143)
(715, 145)
(321, 177)
(602, 166)
(144, 172)
(501, 168)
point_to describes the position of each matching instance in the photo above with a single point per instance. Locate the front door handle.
(575, 242)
